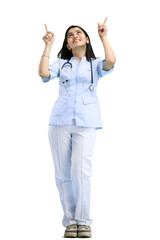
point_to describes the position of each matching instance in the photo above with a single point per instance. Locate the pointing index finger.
(46, 27)
(105, 20)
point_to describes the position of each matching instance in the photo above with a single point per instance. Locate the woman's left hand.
(102, 29)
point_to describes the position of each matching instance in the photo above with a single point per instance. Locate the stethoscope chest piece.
(92, 87)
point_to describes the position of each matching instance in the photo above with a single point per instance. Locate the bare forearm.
(43, 69)
(110, 58)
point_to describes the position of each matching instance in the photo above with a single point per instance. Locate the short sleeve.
(54, 70)
(102, 72)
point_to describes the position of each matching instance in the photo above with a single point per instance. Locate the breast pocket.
(66, 75)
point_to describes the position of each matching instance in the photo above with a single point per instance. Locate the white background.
(126, 162)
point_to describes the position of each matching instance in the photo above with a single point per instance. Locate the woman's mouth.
(76, 40)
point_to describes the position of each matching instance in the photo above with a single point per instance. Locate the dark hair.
(65, 53)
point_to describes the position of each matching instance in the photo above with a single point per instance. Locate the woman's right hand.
(49, 37)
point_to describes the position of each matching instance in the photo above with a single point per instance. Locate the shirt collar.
(75, 59)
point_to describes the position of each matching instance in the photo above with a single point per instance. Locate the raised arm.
(110, 58)
(43, 69)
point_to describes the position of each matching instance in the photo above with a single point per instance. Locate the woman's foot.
(84, 231)
(71, 231)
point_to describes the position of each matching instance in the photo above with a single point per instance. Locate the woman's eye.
(70, 35)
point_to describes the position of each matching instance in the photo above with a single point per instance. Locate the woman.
(74, 119)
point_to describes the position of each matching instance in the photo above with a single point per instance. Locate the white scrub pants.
(72, 150)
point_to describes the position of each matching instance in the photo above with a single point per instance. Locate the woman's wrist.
(48, 45)
(45, 56)
(47, 50)
(104, 38)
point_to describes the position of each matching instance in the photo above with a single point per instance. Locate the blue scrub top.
(76, 101)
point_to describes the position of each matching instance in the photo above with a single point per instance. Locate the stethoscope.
(91, 87)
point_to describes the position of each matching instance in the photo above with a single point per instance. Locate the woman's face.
(76, 38)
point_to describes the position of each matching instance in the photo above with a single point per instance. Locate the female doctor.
(74, 119)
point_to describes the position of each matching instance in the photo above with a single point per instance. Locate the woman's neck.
(79, 54)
